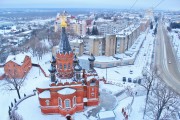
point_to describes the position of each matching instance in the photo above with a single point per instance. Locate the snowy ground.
(30, 107)
(1, 71)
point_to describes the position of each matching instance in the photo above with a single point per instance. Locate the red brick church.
(71, 88)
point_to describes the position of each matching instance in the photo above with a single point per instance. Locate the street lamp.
(106, 73)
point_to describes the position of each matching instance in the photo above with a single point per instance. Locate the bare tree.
(148, 83)
(32, 44)
(163, 104)
(55, 38)
(13, 83)
(16, 116)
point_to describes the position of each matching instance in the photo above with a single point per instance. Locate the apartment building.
(110, 27)
(77, 46)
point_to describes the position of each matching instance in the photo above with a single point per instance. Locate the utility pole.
(39, 68)
(106, 73)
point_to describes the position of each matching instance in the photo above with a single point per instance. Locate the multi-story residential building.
(110, 27)
(144, 24)
(77, 46)
(78, 28)
(97, 45)
(112, 37)
(110, 45)
(121, 43)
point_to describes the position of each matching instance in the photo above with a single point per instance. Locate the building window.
(60, 102)
(60, 66)
(69, 66)
(65, 66)
(92, 94)
(67, 103)
(74, 101)
(92, 89)
(47, 102)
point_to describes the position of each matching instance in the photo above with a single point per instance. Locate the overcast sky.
(166, 4)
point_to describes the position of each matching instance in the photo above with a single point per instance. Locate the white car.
(169, 62)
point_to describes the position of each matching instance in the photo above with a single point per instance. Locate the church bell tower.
(64, 56)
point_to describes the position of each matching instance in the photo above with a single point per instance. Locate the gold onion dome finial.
(63, 22)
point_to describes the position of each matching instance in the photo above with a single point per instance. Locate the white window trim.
(47, 102)
(69, 103)
(74, 101)
(60, 105)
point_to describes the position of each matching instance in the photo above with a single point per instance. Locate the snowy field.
(35, 78)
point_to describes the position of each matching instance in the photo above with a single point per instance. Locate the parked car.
(131, 72)
(169, 61)
(129, 80)
(134, 80)
(124, 79)
(139, 81)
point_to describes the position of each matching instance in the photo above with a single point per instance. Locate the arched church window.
(65, 67)
(74, 101)
(60, 102)
(60, 66)
(69, 66)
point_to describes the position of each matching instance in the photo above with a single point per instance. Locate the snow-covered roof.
(99, 58)
(45, 94)
(103, 20)
(96, 37)
(106, 114)
(127, 31)
(76, 41)
(66, 91)
(19, 58)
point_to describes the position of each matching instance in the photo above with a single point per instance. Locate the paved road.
(165, 60)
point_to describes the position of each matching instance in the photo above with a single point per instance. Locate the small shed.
(106, 115)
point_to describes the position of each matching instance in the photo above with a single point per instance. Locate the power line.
(133, 4)
(159, 4)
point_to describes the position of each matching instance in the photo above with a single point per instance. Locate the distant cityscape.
(89, 64)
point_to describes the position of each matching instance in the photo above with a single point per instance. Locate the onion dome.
(91, 58)
(77, 67)
(75, 60)
(53, 60)
(52, 69)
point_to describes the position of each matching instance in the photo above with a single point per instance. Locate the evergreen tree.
(94, 30)
(88, 31)
(151, 25)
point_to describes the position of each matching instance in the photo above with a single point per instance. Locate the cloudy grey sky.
(166, 4)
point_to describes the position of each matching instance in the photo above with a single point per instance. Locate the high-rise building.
(110, 45)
